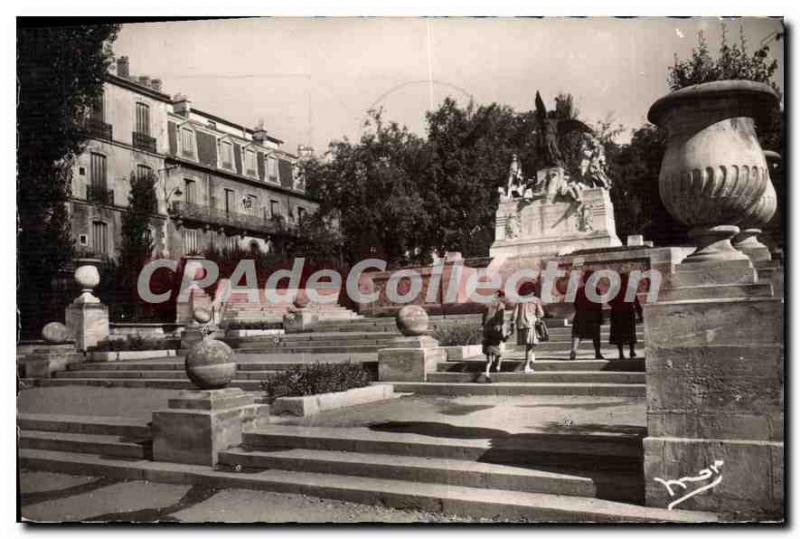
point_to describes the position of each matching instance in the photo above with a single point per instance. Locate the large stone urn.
(714, 170)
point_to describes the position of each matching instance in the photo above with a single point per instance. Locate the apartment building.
(220, 184)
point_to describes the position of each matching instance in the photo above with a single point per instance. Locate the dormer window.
(226, 155)
(272, 169)
(250, 163)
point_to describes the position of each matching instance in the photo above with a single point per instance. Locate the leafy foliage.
(136, 342)
(301, 380)
(60, 73)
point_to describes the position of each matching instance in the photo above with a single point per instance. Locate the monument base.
(201, 423)
(409, 359)
(550, 227)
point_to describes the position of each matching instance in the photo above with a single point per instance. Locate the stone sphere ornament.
(412, 321)
(202, 315)
(209, 364)
(714, 169)
(55, 333)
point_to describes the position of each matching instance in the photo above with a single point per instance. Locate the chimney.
(181, 105)
(260, 134)
(304, 152)
(123, 68)
(144, 80)
(156, 84)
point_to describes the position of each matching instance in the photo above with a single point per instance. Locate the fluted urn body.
(756, 218)
(714, 170)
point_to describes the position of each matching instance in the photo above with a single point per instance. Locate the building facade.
(219, 184)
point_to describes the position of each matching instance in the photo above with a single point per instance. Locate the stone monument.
(715, 338)
(554, 213)
(413, 356)
(86, 317)
(200, 423)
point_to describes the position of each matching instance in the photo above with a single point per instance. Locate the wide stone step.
(127, 366)
(160, 383)
(450, 499)
(334, 336)
(127, 373)
(81, 424)
(586, 450)
(98, 444)
(478, 364)
(511, 389)
(546, 376)
(309, 349)
(420, 469)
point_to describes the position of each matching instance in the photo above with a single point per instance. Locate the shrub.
(135, 343)
(458, 334)
(301, 380)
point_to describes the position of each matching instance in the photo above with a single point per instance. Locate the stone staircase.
(534, 477)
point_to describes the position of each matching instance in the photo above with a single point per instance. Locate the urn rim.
(761, 95)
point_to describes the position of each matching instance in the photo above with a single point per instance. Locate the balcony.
(240, 221)
(98, 129)
(144, 142)
(98, 194)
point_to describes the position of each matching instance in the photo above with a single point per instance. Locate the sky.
(312, 80)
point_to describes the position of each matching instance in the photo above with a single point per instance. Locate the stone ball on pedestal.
(209, 364)
(202, 315)
(301, 299)
(55, 332)
(412, 321)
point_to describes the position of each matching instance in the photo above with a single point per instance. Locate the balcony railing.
(144, 142)
(98, 129)
(237, 220)
(98, 194)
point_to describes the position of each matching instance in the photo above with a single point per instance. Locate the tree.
(60, 74)
(372, 188)
(137, 239)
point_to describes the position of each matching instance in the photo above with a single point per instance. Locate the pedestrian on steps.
(494, 332)
(624, 316)
(527, 312)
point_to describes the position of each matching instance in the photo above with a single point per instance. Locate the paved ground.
(51, 497)
(489, 416)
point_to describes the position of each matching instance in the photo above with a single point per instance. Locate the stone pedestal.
(409, 359)
(714, 364)
(190, 336)
(88, 322)
(548, 227)
(43, 361)
(200, 423)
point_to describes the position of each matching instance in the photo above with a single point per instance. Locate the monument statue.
(540, 215)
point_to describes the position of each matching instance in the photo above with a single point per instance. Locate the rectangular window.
(251, 205)
(100, 237)
(97, 171)
(190, 240)
(274, 208)
(226, 155)
(98, 112)
(229, 203)
(142, 119)
(250, 163)
(272, 169)
(143, 171)
(301, 214)
(190, 191)
(187, 142)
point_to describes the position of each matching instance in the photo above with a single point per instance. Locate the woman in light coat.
(526, 313)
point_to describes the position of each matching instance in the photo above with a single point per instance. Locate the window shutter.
(285, 173)
(237, 157)
(207, 149)
(172, 130)
(260, 165)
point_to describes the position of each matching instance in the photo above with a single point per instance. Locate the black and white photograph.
(443, 270)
